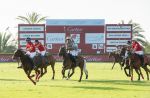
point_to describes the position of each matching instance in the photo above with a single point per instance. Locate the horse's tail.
(85, 69)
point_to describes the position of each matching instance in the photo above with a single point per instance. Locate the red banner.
(90, 58)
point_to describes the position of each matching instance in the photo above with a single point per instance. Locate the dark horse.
(42, 63)
(135, 62)
(68, 64)
(135, 59)
(27, 64)
(117, 58)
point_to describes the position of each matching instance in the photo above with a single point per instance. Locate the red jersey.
(136, 46)
(40, 47)
(30, 46)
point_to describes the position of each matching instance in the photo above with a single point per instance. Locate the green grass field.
(102, 83)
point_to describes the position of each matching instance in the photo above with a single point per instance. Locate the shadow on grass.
(120, 82)
(85, 87)
(11, 80)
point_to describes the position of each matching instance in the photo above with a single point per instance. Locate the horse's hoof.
(34, 83)
(79, 81)
(129, 75)
(52, 78)
(86, 77)
(67, 78)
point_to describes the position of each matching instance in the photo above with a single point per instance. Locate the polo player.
(30, 50)
(136, 48)
(72, 49)
(40, 47)
(41, 50)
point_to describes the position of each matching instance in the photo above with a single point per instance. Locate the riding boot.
(123, 62)
(33, 63)
(46, 60)
(74, 60)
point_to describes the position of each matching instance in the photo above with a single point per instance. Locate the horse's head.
(123, 50)
(62, 51)
(18, 53)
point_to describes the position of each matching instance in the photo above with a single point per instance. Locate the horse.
(68, 64)
(146, 62)
(43, 62)
(27, 64)
(135, 62)
(38, 61)
(117, 58)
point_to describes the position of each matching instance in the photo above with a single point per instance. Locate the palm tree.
(136, 32)
(32, 18)
(7, 43)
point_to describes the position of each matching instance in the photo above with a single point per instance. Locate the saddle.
(40, 60)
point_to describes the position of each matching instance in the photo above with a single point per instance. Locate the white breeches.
(126, 54)
(74, 52)
(42, 52)
(31, 54)
(139, 52)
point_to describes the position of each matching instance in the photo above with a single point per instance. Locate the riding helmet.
(128, 42)
(28, 39)
(36, 40)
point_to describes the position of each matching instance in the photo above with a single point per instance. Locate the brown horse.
(27, 64)
(42, 63)
(146, 62)
(68, 64)
(117, 58)
(135, 62)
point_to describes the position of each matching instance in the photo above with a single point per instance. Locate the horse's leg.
(145, 68)
(63, 73)
(52, 66)
(72, 72)
(120, 63)
(38, 75)
(141, 73)
(85, 70)
(136, 70)
(45, 70)
(81, 74)
(113, 64)
(125, 70)
(28, 75)
(42, 71)
(131, 70)
(148, 69)
(68, 74)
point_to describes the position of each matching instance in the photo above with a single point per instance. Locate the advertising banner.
(91, 38)
(31, 28)
(32, 35)
(116, 42)
(55, 38)
(118, 35)
(119, 28)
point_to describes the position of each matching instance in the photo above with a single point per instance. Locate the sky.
(113, 11)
